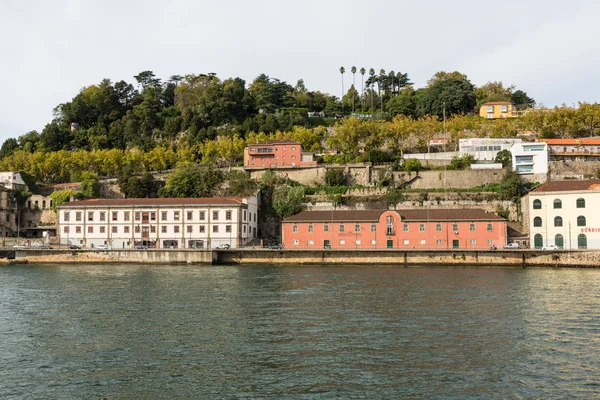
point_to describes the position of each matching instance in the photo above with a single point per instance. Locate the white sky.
(51, 49)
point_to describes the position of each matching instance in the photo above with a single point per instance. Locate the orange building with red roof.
(283, 153)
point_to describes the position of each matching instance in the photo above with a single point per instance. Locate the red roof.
(568, 186)
(493, 103)
(573, 142)
(463, 214)
(154, 202)
(272, 142)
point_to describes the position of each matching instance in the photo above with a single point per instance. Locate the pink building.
(394, 229)
(277, 153)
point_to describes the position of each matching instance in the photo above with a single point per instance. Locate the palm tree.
(372, 74)
(379, 82)
(392, 75)
(362, 94)
(342, 70)
(353, 70)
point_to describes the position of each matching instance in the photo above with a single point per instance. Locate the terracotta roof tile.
(571, 142)
(567, 186)
(407, 215)
(154, 202)
(272, 142)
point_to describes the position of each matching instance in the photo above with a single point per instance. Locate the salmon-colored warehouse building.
(394, 229)
(277, 153)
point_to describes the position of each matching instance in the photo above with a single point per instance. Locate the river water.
(164, 332)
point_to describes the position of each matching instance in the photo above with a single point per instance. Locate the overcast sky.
(51, 49)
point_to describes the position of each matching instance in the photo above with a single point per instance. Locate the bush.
(463, 162)
(335, 177)
(412, 164)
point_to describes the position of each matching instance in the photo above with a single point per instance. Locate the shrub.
(412, 164)
(335, 177)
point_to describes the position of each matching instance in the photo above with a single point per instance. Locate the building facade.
(277, 154)
(159, 223)
(564, 213)
(530, 158)
(498, 109)
(573, 149)
(394, 229)
(484, 149)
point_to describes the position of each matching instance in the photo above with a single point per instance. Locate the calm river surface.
(152, 332)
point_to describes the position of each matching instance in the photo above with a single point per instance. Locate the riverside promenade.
(387, 258)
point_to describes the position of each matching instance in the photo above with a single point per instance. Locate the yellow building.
(497, 109)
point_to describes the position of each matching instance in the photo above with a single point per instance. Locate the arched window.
(537, 221)
(582, 241)
(557, 203)
(559, 241)
(580, 203)
(389, 225)
(557, 221)
(581, 220)
(538, 241)
(537, 204)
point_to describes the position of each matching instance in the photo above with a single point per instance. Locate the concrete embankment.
(398, 258)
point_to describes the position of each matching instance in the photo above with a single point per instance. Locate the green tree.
(288, 200)
(412, 165)
(335, 177)
(191, 180)
(90, 185)
(8, 147)
(393, 196)
(449, 96)
(342, 71)
(522, 100)
(362, 92)
(504, 157)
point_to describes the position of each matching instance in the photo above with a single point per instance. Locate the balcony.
(261, 151)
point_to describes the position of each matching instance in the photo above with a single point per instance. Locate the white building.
(530, 158)
(484, 149)
(159, 223)
(564, 213)
(12, 180)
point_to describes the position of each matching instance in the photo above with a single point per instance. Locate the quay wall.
(159, 256)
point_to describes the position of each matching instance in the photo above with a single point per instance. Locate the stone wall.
(463, 179)
(573, 169)
(158, 256)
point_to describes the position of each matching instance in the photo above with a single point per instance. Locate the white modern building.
(530, 158)
(12, 180)
(159, 223)
(484, 149)
(564, 213)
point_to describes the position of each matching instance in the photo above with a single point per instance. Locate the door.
(538, 241)
(455, 244)
(326, 244)
(390, 244)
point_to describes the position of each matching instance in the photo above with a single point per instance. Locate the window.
(557, 203)
(90, 215)
(176, 215)
(423, 241)
(473, 242)
(66, 230)
(356, 228)
(78, 216)
(295, 242)
(90, 229)
(438, 242)
(77, 229)
(138, 215)
(490, 227)
(126, 229)
(472, 227)
(422, 228)
(405, 227)
(202, 215)
(126, 215)
(406, 242)
(245, 214)
(455, 227)
(153, 229)
(326, 228)
(537, 204)
(373, 228)
(244, 228)
(203, 228)
(558, 221)
(373, 242)
(295, 228)
(163, 215)
(389, 227)
(115, 215)
(357, 241)
(44, 204)
(311, 228)
(293, 148)
(189, 228)
(190, 215)
(215, 215)
(153, 216)
(537, 222)
(137, 229)
(228, 215)
(228, 228)
(176, 229)
(559, 241)
(582, 241)
(163, 229)
(342, 228)
(580, 203)
(342, 241)
(102, 216)
(115, 229)
(66, 216)
(215, 228)
(538, 241)
(438, 227)
(311, 242)
(490, 241)
(581, 221)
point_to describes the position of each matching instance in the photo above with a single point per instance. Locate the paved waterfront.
(141, 331)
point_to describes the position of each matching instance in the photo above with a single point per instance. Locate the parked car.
(224, 246)
(102, 247)
(140, 247)
(551, 247)
(275, 247)
(74, 246)
(42, 246)
(19, 246)
(512, 246)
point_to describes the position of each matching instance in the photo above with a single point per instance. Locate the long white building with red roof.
(194, 223)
